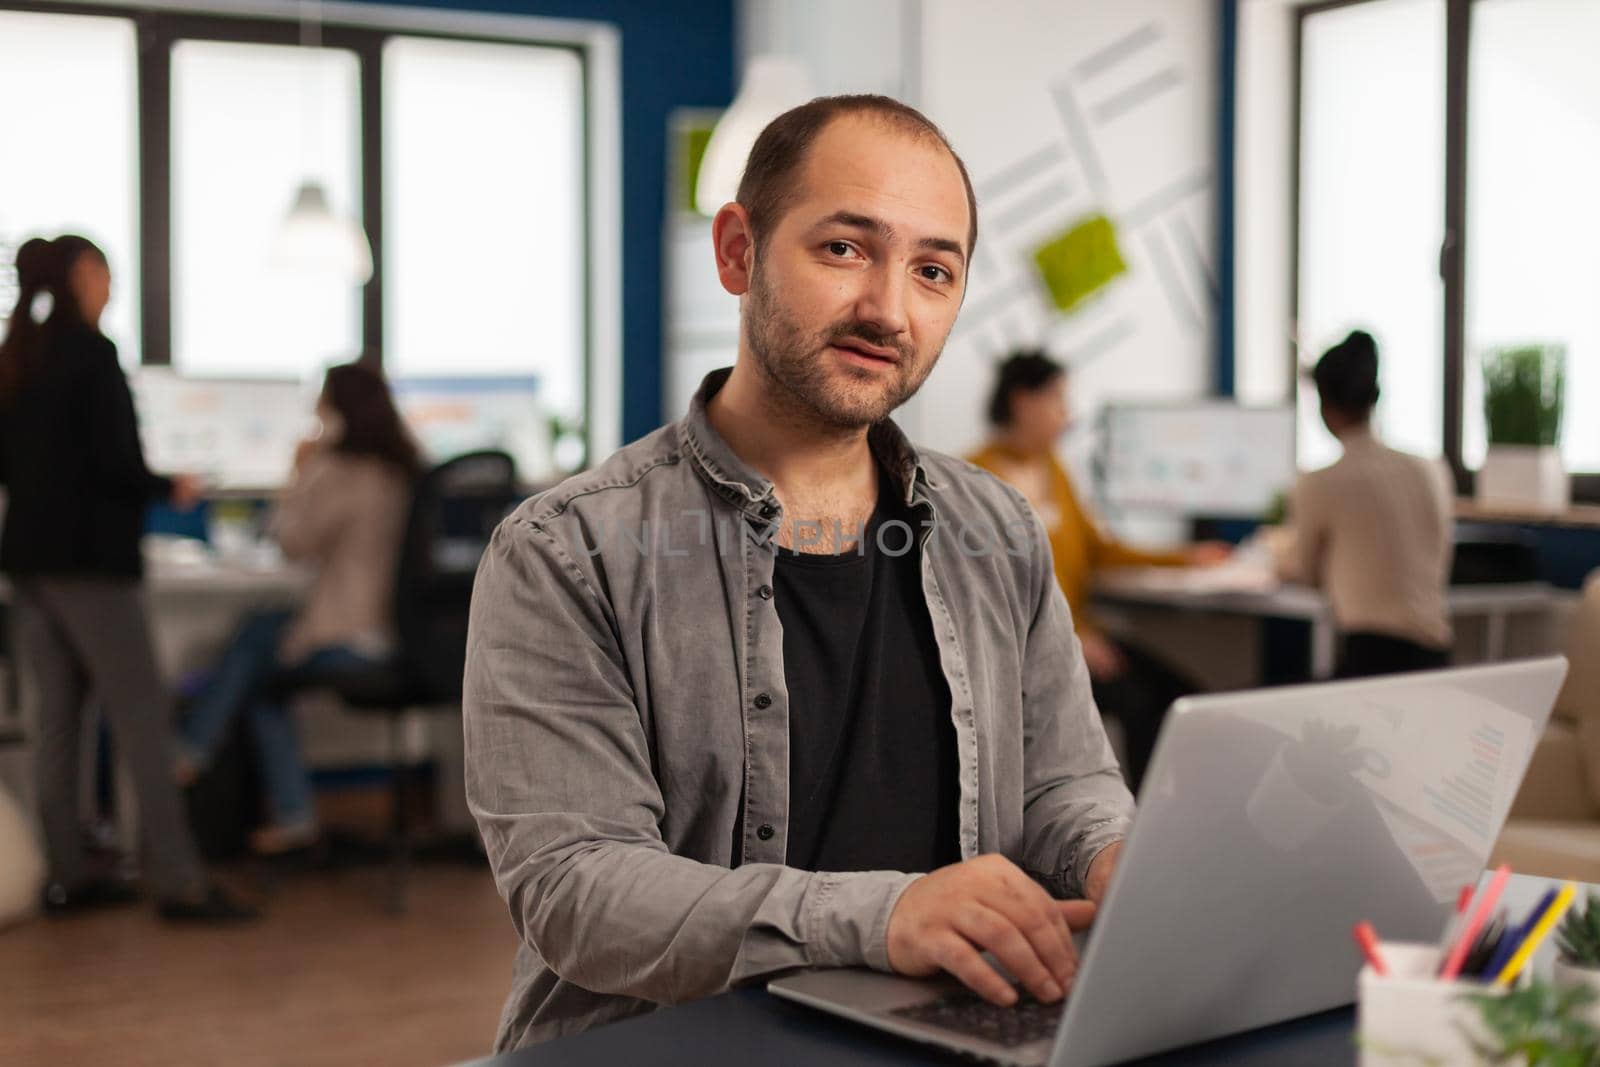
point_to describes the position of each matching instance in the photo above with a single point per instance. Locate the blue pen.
(1510, 943)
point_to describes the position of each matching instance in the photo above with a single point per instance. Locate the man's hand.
(1101, 868)
(945, 920)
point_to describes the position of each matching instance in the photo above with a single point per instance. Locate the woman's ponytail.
(38, 273)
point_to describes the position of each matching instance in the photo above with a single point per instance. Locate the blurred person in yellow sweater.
(1028, 413)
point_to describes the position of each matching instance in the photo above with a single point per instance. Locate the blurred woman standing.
(77, 489)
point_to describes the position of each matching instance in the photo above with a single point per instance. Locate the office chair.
(1487, 554)
(454, 510)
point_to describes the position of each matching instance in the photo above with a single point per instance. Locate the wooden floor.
(327, 977)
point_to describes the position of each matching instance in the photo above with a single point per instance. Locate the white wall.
(1061, 109)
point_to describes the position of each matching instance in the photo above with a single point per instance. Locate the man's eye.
(936, 274)
(839, 248)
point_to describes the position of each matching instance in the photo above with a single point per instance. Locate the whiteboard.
(1211, 459)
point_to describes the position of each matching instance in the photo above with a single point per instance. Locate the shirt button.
(766, 831)
(765, 592)
(768, 510)
(763, 701)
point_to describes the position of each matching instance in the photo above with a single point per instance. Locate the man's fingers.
(1033, 912)
(995, 932)
(1079, 914)
(1049, 940)
(957, 956)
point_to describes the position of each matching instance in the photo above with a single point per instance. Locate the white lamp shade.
(772, 85)
(313, 241)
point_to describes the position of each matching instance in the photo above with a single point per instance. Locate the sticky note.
(1080, 262)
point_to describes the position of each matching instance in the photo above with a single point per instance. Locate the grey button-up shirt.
(626, 717)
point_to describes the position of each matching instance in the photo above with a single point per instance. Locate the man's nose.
(882, 302)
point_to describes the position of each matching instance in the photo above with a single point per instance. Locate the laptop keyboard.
(967, 1013)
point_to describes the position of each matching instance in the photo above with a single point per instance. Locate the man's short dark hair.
(768, 184)
(1027, 369)
(1347, 374)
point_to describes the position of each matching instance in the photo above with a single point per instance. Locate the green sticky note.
(1080, 262)
(695, 139)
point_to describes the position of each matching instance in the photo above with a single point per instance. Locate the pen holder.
(1409, 1018)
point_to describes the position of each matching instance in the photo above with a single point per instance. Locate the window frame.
(1454, 246)
(364, 30)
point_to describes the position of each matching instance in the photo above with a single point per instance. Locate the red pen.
(1367, 938)
(1482, 907)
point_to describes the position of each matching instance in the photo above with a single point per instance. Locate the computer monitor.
(238, 434)
(241, 434)
(452, 416)
(1211, 459)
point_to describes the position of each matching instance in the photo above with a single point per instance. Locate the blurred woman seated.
(1375, 530)
(1029, 412)
(344, 513)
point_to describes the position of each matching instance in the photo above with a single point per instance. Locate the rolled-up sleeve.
(559, 780)
(1074, 801)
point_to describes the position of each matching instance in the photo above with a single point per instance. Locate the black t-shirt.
(873, 772)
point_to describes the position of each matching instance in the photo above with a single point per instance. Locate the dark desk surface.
(751, 1027)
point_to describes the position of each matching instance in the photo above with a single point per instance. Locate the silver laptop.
(1269, 823)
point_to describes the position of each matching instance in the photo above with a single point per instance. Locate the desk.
(1178, 591)
(199, 601)
(195, 606)
(751, 1026)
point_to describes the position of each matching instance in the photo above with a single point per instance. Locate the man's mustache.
(860, 331)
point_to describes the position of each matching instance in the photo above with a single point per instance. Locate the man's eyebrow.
(883, 229)
(944, 244)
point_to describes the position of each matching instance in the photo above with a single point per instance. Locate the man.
(1375, 529)
(731, 695)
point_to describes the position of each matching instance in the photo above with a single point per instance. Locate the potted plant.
(1578, 941)
(1542, 1024)
(1522, 403)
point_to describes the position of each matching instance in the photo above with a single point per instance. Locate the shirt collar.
(747, 489)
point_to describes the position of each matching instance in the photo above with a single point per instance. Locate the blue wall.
(677, 54)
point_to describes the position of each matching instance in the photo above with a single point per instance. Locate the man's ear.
(734, 244)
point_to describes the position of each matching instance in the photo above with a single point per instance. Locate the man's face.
(855, 289)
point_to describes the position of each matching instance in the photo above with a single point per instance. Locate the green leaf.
(1541, 1025)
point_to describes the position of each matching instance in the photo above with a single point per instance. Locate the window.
(250, 122)
(1533, 215)
(481, 155)
(1372, 209)
(1446, 153)
(71, 158)
(480, 228)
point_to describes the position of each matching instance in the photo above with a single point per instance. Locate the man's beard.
(795, 361)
